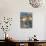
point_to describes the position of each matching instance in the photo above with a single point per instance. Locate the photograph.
(26, 20)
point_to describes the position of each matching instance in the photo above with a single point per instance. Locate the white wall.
(12, 8)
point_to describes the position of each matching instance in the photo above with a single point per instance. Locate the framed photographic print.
(26, 20)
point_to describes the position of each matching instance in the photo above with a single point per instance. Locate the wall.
(12, 8)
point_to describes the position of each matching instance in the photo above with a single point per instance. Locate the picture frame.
(26, 19)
